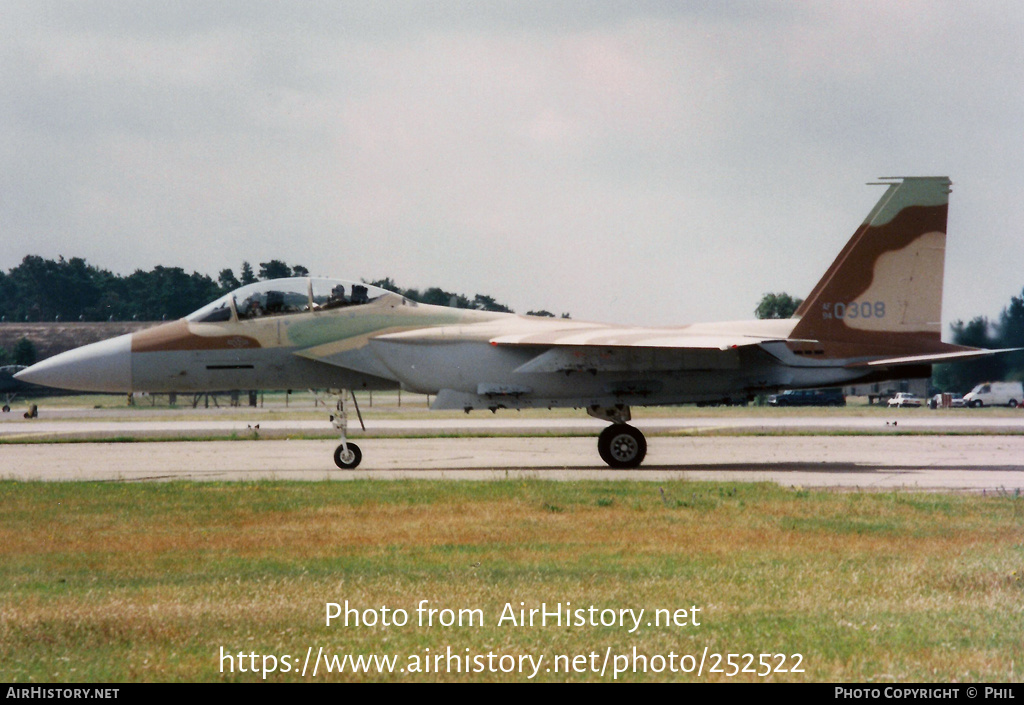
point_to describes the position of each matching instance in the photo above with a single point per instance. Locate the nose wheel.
(347, 456)
(622, 446)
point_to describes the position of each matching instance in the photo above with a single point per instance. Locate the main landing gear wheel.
(347, 458)
(622, 446)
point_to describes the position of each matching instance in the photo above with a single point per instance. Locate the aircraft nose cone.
(100, 367)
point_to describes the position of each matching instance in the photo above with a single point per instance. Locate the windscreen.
(280, 297)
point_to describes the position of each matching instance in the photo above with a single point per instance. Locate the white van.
(995, 394)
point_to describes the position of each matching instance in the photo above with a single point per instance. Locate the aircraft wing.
(580, 346)
(631, 338)
(527, 332)
(611, 350)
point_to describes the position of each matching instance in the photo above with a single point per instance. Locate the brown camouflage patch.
(177, 336)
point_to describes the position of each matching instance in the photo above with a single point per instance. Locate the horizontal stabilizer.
(933, 358)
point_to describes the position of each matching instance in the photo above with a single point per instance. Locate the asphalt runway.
(962, 461)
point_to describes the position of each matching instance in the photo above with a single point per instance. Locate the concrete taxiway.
(100, 424)
(962, 458)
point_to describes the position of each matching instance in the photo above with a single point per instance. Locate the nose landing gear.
(347, 456)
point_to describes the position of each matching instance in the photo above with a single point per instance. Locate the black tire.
(976, 404)
(355, 457)
(7, 409)
(622, 446)
(1012, 404)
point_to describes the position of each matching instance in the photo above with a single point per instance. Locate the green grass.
(146, 582)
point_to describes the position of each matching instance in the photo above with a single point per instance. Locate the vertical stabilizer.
(884, 290)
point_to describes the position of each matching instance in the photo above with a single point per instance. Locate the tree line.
(41, 289)
(980, 332)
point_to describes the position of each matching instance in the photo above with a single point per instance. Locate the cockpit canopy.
(280, 297)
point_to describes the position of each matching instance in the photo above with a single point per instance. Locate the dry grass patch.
(113, 582)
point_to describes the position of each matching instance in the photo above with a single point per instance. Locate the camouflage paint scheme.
(875, 315)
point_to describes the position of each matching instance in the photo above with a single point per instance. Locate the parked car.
(727, 401)
(955, 401)
(995, 394)
(903, 399)
(808, 397)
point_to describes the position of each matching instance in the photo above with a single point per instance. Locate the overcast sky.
(635, 162)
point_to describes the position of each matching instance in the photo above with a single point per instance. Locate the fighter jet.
(875, 315)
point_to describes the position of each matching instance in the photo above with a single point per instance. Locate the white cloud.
(655, 162)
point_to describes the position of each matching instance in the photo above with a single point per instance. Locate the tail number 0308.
(854, 309)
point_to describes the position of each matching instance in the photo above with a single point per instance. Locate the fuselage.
(290, 334)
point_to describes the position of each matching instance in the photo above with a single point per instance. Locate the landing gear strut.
(347, 456)
(620, 445)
